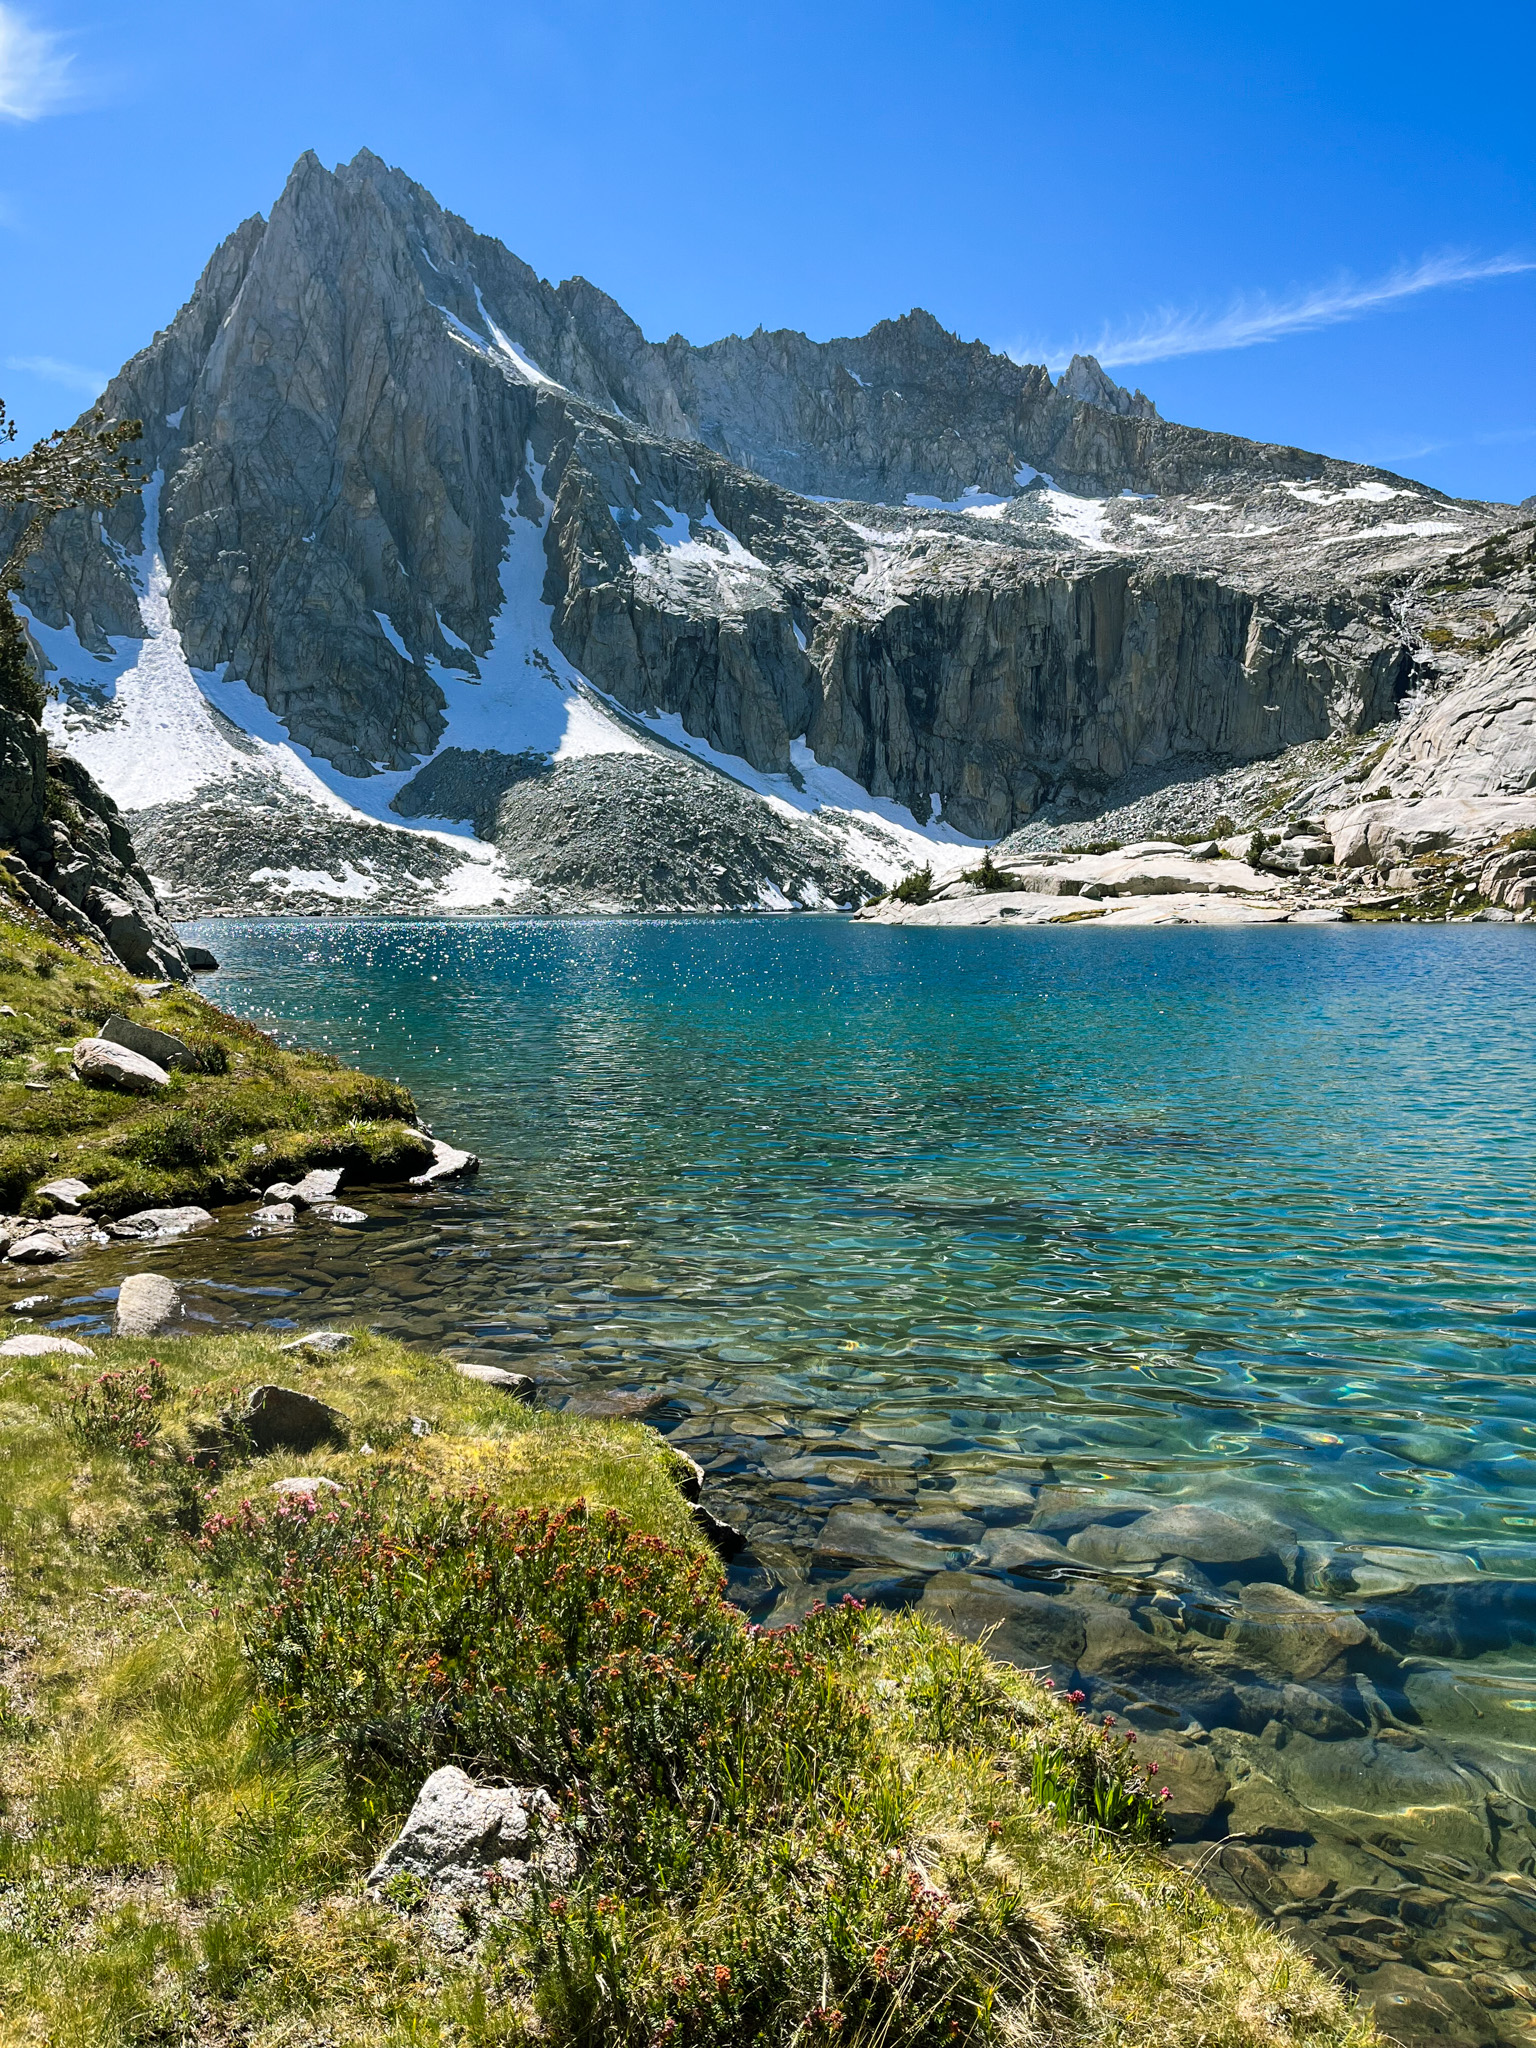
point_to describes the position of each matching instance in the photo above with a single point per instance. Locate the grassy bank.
(219, 1703)
(248, 1115)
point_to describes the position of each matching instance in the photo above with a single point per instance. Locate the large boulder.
(148, 1305)
(102, 1064)
(458, 1832)
(163, 1047)
(1386, 834)
(282, 1418)
(43, 1344)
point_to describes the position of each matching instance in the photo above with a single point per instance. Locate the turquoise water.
(1204, 1213)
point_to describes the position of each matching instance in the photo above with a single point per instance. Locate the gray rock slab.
(148, 1305)
(312, 1484)
(40, 1343)
(687, 1473)
(1112, 1549)
(599, 1405)
(275, 1215)
(322, 1343)
(101, 1064)
(457, 1831)
(163, 1047)
(67, 1192)
(1208, 1535)
(729, 1542)
(36, 1248)
(336, 1212)
(516, 1384)
(283, 1418)
(148, 1223)
(448, 1163)
(1194, 1777)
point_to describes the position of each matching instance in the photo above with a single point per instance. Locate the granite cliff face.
(410, 503)
(69, 856)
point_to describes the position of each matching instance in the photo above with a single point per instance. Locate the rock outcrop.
(69, 855)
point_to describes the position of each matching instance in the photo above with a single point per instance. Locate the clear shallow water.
(1198, 1213)
(923, 1240)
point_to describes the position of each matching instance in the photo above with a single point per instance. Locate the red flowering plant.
(743, 1869)
(564, 1648)
(119, 1411)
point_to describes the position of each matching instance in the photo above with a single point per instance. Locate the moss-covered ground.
(252, 1113)
(217, 1703)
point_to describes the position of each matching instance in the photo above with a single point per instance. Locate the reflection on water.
(1014, 1272)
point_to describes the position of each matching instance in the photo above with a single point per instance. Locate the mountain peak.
(1084, 379)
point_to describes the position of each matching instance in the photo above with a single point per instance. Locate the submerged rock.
(862, 1535)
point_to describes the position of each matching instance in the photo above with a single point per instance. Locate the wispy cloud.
(74, 376)
(35, 71)
(1252, 318)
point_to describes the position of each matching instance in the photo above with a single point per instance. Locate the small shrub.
(563, 1645)
(118, 1411)
(1224, 828)
(914, 888)
(211, 1054)
(989, 878)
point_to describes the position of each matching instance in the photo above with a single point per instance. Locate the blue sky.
(1313, 224)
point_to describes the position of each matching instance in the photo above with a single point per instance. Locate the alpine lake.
(1159, 1304)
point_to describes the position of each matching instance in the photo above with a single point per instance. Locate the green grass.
(217, 1709)
(252, 1113)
